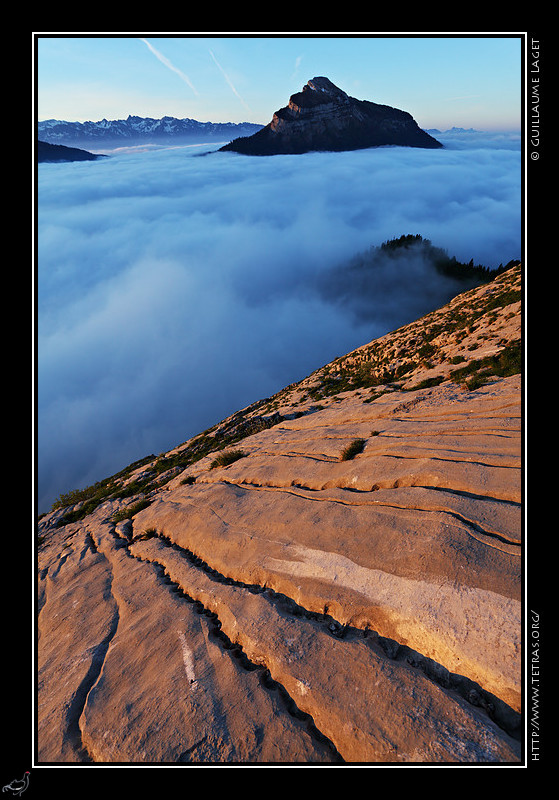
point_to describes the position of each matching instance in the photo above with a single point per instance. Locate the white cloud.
(174, 289)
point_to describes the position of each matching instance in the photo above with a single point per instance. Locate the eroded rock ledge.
(290, 604)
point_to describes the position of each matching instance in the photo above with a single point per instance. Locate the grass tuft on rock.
(226, 458)
(353, 449)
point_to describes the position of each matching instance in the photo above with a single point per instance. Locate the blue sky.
(442, 80)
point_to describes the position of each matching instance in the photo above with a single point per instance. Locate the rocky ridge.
(331, 575)
(56, 153)
(323, 117)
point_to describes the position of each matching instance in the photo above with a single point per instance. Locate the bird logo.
(17, 787)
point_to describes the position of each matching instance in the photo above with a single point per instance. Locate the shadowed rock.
(323, 117)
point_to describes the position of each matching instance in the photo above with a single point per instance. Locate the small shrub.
(503, 364)
(373, 397)
(224, 459)
(150, 533)
(128, 513)
(429, 383)
(353, 449)
(426, 350)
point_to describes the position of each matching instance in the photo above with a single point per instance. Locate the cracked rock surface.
(292, 606)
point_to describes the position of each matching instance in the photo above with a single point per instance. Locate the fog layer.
(174, 288)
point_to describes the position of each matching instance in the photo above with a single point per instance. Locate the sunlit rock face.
(330, 575)
(323, 117)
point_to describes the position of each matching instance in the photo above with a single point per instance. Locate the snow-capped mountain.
(140, 130)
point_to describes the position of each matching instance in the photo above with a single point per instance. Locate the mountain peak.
(323, 86)
(323, 117)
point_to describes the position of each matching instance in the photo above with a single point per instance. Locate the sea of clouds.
(175, 286)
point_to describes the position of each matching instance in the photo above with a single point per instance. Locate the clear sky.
(464, 80)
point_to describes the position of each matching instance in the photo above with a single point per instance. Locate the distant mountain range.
(140, 130)
(452, 130)
(135, 130)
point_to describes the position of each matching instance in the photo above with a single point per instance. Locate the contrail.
(296, 67)
(167, 63)
(235, 92)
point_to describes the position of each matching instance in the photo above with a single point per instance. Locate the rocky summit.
(323, 117)
(329, 576)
